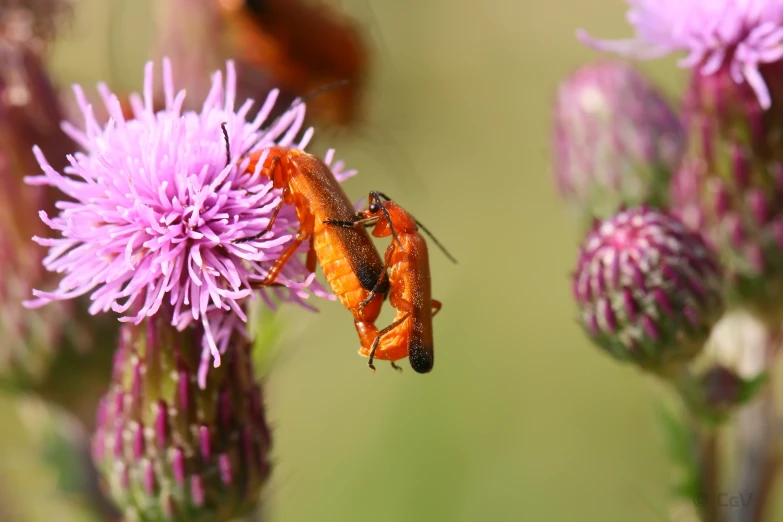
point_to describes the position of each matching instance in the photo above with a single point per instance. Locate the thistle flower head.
(740, 35)
(155, 207)
(169, 450)
(616, 140)
(648, 288)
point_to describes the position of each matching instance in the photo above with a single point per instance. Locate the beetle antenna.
(228, 144)
(434, 240)
(379, 195)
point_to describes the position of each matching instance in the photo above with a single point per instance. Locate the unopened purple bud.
(32, 343)
(733, 112)
(662, 305)
(616, 140)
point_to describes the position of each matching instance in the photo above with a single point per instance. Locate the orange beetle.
(347, 256)
(410, 334)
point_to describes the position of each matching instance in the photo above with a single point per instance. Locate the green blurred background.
(521, 419)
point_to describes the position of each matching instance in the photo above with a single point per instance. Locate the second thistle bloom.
(730, 184)
(158, 203)
(740, 38)
(648, 288)
(616, 140)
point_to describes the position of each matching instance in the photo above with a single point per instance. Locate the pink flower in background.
(740, 34)
(154, 210)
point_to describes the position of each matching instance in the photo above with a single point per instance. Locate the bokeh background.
(521, 419)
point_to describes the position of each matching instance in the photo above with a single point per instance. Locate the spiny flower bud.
(731, 182)
(35, 347)
(616, 140)
(170, 450)
(648, 288)
(730, 185)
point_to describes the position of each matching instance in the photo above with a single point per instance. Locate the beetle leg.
(312, 259)
(272, 166)
(383, 332)
(304, 232)
(354, 223)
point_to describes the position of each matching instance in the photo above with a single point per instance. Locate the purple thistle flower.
(649, 289)
(616, 140)
(155, 211)
(742, 35)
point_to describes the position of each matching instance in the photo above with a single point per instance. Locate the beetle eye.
(373, 207)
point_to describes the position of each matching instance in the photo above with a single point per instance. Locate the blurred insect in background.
(407, 260)
(305, 44)
(302, 46)
(347, 256)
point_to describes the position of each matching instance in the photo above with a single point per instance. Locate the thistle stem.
(706, 445)
(709, 473)
(757, 451)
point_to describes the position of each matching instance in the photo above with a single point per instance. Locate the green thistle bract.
(169, 450)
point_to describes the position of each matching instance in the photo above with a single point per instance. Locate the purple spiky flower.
(738, 36)
(168, 450)
(730, 184)
(616, 140)
(155, 207)
(648, 288)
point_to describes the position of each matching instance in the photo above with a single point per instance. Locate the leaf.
(679, 440)
(750, 387)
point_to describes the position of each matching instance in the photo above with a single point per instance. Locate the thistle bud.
(648, 288)
(616, 140)
(730, 185)
(170, 450)
(731, 182)
(30, 114)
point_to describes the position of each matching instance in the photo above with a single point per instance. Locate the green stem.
(709, 474)
(706, 441)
